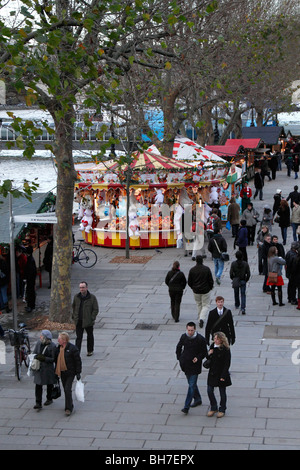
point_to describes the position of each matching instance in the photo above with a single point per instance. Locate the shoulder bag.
(223, 255)
(35, 363)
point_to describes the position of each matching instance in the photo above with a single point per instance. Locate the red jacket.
(246, 192)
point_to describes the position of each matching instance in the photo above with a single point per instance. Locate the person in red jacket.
(245, 194)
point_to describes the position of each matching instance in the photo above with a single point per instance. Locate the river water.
(40, 169)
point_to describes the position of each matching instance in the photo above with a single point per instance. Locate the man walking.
(201, 282)
(258, 183)
(220, 319)
(217, 245)
(190, 351)
(85, 310)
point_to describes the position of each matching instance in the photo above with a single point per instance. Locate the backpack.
(211, 224)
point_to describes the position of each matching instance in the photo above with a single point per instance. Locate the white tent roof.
(186, 149)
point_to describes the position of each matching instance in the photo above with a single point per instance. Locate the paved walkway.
(134, 386)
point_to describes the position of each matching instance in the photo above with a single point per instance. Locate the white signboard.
(47, 218)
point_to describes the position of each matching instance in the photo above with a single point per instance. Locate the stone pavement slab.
(134, 388)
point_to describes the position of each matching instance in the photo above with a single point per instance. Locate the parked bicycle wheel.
(24, 352)
(87, 258)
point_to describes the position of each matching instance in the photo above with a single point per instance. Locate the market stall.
(156, 186)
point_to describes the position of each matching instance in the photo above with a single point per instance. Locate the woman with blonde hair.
(218, 375)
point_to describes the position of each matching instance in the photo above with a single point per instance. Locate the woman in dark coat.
(176, 281)
(284, 219)
(218, 375)
(45, 352)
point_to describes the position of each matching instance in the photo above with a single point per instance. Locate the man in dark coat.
(220, 319)
(294, 196)
(68, 365)
(30, 273)
(273, 164)
(85, 309)
(291, 288)
(190, 351)
(201, 282)
(258, 183)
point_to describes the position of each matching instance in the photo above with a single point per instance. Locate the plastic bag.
(29, 371)
(79, 391)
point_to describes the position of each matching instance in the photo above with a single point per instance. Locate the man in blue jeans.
(217, 245)
(190, 351)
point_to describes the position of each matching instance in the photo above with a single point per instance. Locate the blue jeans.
(193, 391)
(294, 227)
(284, 234)
(219, 266)
(213, 401)
(237, 291)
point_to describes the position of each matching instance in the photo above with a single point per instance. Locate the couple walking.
(190, 352)
(200, 280)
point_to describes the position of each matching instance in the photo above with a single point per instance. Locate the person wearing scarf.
(68, 365)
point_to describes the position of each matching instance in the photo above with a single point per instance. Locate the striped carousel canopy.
(147, 161)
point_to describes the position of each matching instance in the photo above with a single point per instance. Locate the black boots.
(279, 298)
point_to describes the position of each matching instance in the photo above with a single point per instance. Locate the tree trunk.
(60, 304)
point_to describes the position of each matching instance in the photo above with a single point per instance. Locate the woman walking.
(176, 281)
(45, 353)
(275, 264)
(218, 375)
(284, 219)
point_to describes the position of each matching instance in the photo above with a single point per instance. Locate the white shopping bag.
(79, 390)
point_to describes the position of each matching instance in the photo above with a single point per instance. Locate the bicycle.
(86, 257)
(19, 339)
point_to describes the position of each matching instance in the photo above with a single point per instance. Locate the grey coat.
(46, 374)
(275, 264)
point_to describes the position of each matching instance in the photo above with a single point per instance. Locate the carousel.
(150, 193)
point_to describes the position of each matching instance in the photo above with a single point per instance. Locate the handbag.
(206, 364)
(223, 255)
(277, 219)
(56, 390)
(273, 277)
(35, 363)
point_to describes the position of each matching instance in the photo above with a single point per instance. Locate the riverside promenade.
(133, 383)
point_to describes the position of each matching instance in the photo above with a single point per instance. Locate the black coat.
(72, 359)
(219, 369)
(295, 271)
(285, 216)
(258, 180)
(240, 269)
(178, 283)
(221, 242)
(188, 348)
(200, 279)
(225, 325)
(4, 278)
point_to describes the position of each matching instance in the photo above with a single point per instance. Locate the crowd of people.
(248, 227)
